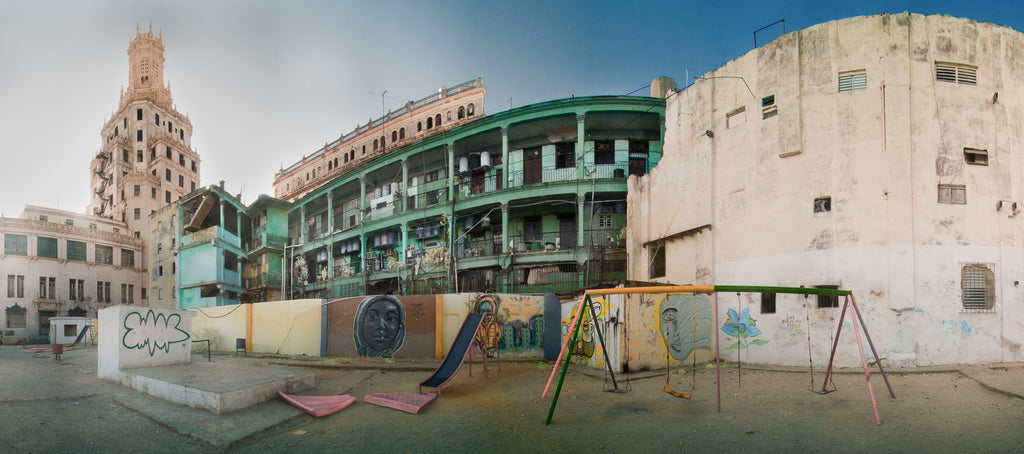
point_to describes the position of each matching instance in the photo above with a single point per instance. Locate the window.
(850, 81)
(604, 152)
(382, 142)
(70, 222)
(657, 266)
(143, 290)
(956, 73)
(193, 185)
(76, 250)
(605, 220)
(823, 204)
(138, 156)
(116, 133)
(170, 127)
(138, 214)
(768, 107)
(15, 244)
(410, 203)
(565, 155)
(156, 119)
(137, 190)
(470, 110)
(152, 193)
(181, 135)
(828, 300)
(138, 114)
(125, 156)
(976, 156)
(181, 159)
(46, 247)
(767, 303)
(138, 135)
(127, 258)
(76, 289)
(44, 219)
(375, 145)
(169, 154)
(462, 112)
(419, 126)
(181, 181)
(167, 174)
(394, 136)
(124, 293)
(160, 270)
(430, 177)
(47, 287)
(437, 120)
(104, 254)
(955, 194)
(977, 286)
(15, 286)
(401, 134)
(167, 196)
(193, 163)
(736, 117)
(532, 228)
(433, 197)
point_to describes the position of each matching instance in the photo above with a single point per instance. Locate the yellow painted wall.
(287, 327)
(221, 324)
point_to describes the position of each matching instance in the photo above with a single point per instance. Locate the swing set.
(856, 318)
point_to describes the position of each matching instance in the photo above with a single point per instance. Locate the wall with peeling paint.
(748, 184)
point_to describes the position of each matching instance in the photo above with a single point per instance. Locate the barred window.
(127, 258)
(76, 250)
(15, 244)
(105, 255)
(46, 247)
(977, 286)
(956, 73)
(853, 81)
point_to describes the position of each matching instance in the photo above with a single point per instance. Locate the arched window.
(375, 145)
(382, 142)
(437, 120)
(394, 136)
(364, 149)
(462, 112)
(449, 116)
(335, 162)
(346, 158)
(470, 110)
(354, 154)
(314, 174)
(401, 133)
(430, 122)
(329, 165)
(419, 126)
(307, 176)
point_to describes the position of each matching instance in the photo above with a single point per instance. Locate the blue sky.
(265, 83)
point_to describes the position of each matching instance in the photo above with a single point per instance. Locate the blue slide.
(456, 354)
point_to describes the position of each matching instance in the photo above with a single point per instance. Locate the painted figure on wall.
(685, 324)
(490, 332)
(379, 326)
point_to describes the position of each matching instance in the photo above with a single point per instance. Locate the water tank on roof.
(485, 159)
(463, 164)
(662, 87)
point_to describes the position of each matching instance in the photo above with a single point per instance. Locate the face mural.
(678, 315)
(379, 326)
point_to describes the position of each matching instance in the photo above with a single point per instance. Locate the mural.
(516, 325)
(587, 350)
(685, 324)
(379, 328)
(153, 331)
(743, 328)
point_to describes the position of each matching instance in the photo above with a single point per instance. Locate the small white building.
(66, 330)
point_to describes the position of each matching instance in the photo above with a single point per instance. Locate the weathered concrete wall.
(221, 325)
(287, 327)
(732, 200)
(132, 337)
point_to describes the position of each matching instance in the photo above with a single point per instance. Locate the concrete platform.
(217, 388)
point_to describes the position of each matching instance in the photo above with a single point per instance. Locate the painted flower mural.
(743, 328)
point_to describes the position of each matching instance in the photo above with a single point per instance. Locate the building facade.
(529, 200)
(146, 160)
(878, 154)
(57, 263)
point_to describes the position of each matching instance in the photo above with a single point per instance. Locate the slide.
(456, 354)
(81, 336)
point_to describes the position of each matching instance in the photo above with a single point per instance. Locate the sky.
(266, 82)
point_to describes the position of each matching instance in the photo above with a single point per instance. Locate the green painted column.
(451, 171)
(504, 229)
(330, 236)
(504, 159)
(581, 218)
(302, 225)
(581, 136)
(402, 187)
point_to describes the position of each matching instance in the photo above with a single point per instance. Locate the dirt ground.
(62, 407)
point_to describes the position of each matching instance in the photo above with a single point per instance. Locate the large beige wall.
(736, 206)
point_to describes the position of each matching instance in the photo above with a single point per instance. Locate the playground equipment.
(317, 406)
(414, 402)
(850, 302)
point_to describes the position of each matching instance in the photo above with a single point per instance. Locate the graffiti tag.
(153, 331)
